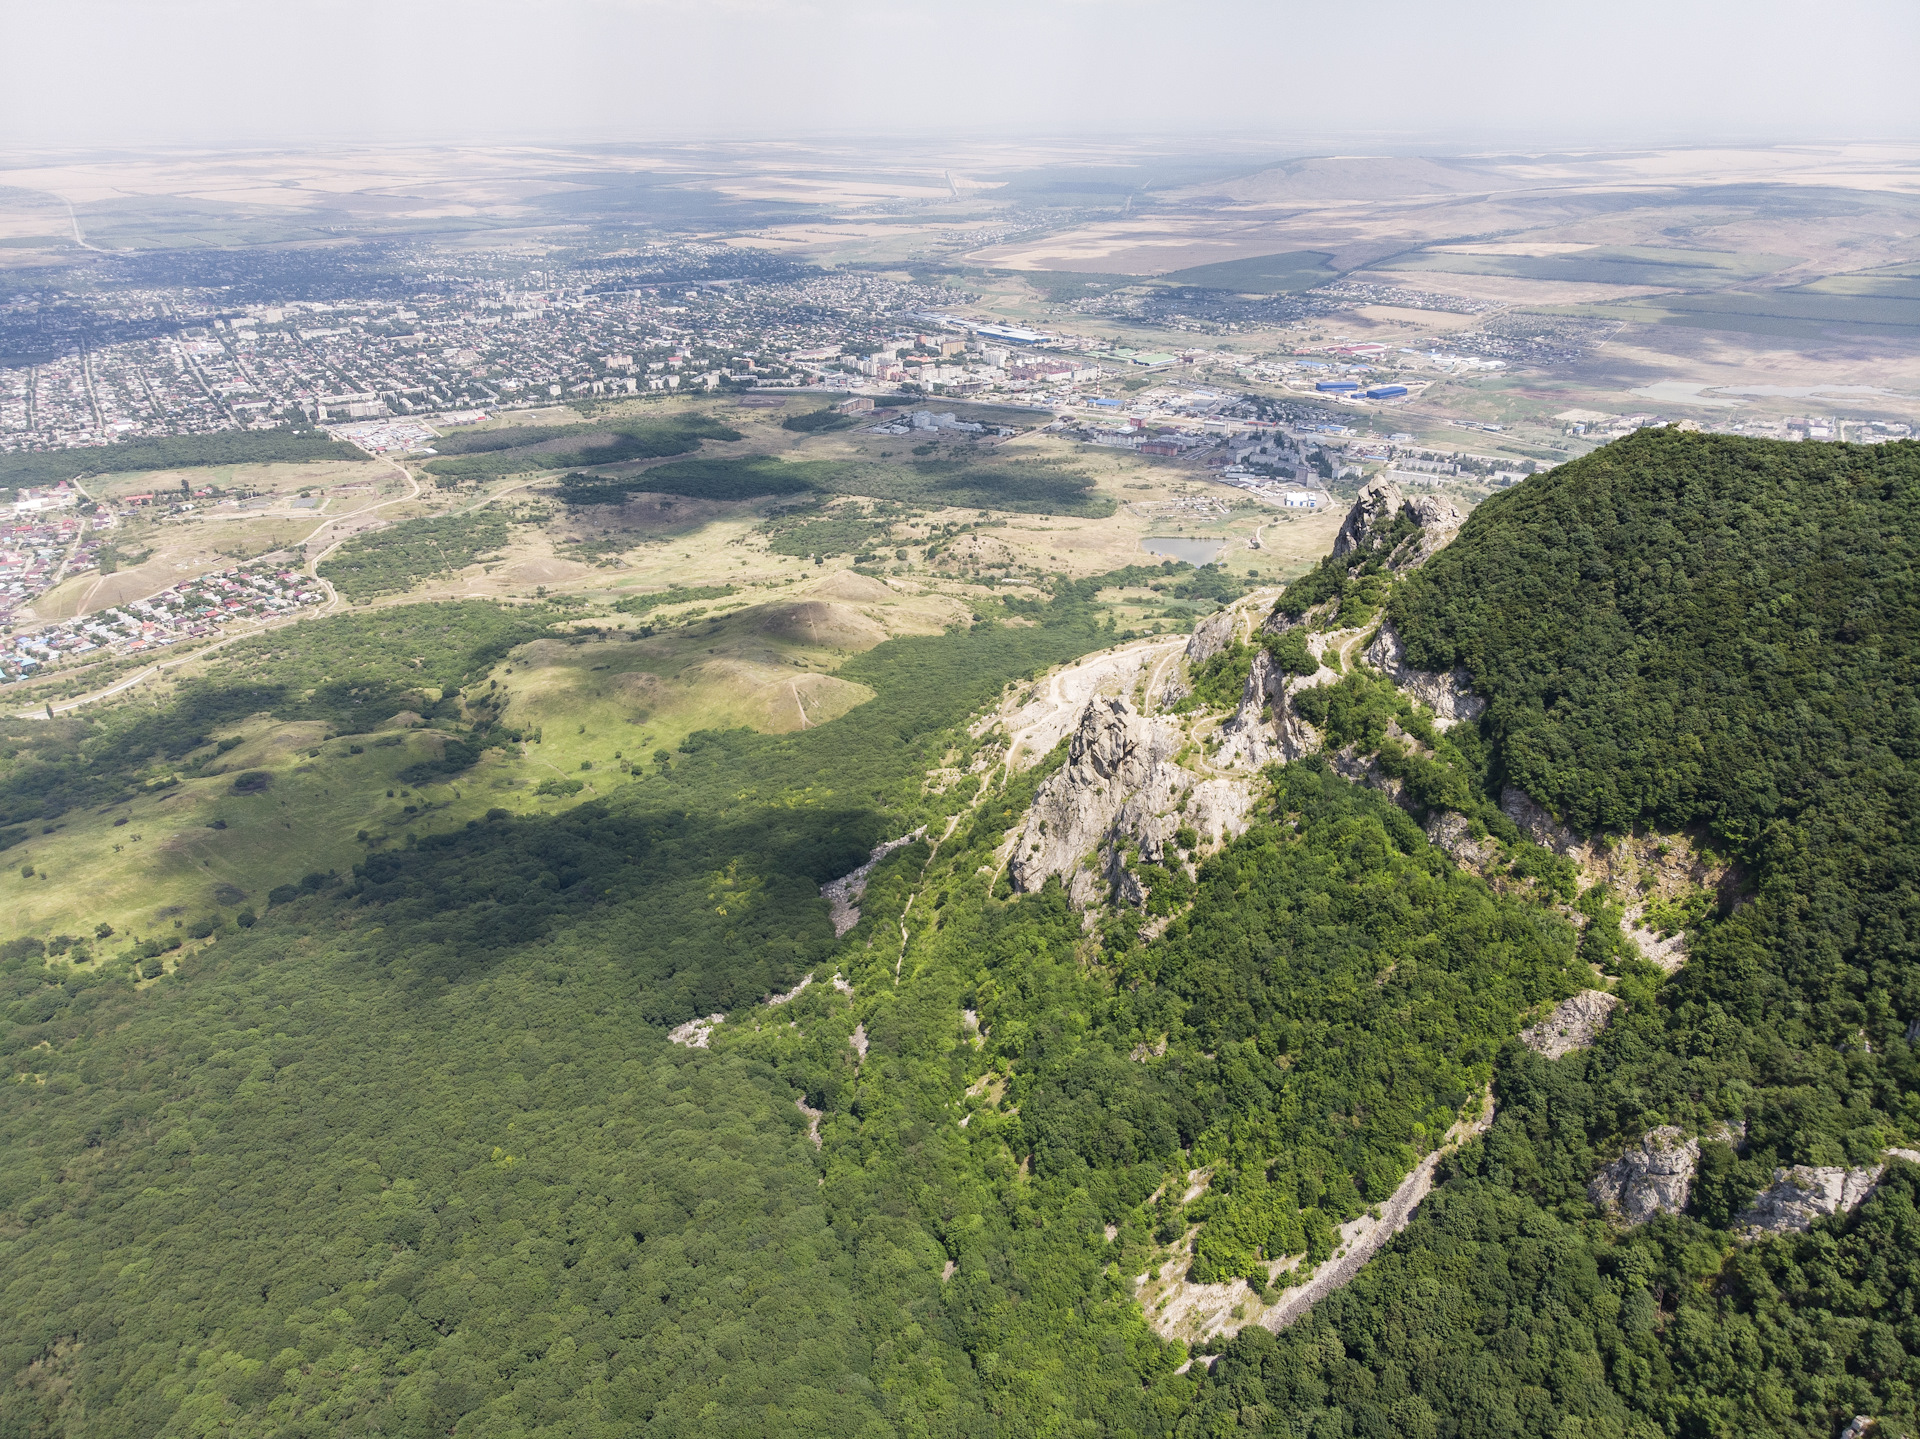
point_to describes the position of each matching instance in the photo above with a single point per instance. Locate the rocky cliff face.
(1266, 727)
(1450, 696)
(1370, 524)
(1220, 810)
(1652, 1177)
(1572, 1024)
(1120, 791)
(1212, 635)
(1804, 1193)
(1119, 784)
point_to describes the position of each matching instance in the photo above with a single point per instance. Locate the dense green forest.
(296, 1248)
(1736, 651)
(177, 452)
(746, 477)
(387, 561)
(1024, 486)
(518, 449)
(413, 1156)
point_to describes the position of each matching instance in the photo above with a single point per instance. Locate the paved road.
(79, 236)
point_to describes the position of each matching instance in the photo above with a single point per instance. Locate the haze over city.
(213, 72)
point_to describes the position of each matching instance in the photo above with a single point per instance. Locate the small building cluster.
(191, 610)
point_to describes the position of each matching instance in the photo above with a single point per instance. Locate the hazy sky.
(241, 72)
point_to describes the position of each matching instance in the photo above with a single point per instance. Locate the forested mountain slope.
(1676, 628)
(413, 1155)
(414, 1152)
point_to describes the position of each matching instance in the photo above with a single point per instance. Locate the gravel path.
(1363, 1237)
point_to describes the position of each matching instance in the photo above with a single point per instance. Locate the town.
(186, 361)
(195, 609)
(1284, 402)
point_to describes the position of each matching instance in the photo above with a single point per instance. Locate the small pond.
(1194, 552)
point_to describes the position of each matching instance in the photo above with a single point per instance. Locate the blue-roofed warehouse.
(1386, 392)
(1340, 387)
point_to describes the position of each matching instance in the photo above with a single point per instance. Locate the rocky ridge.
(1131, 782)
(1119, 786)
(1382, 509)
(1267, 728)
(1654, 1176)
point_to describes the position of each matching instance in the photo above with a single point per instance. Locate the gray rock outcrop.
(1266, 727)
(1212, 635)
(1219, 810)
(1669, 953)
(1536, 822)
(1572, 1024)
(1372, 516)
(1119, 783)
(1652, 1177)
(1454, 833)
(1370, 523)
(1806, 1192)
(1450, 696)
(843, 894)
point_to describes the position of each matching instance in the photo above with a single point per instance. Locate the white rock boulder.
(1653, 1177)
(1119, 783)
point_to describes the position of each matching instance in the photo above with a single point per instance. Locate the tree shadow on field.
(705, 914)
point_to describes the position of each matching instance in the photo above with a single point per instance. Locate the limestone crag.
(1658, 865)
(1450, 696)
(1119, 783)
(1370, 524)
(1573, 1024)
(1219, 810)
(1371, 517)
(1652, 1177)
(1806, 1192)
(1439, 522)
(1669, 953)
(1538, 824)
(1266, 727)
(1453, 832)
(1212, 635)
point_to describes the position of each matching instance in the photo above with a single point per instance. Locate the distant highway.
(79, 238)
